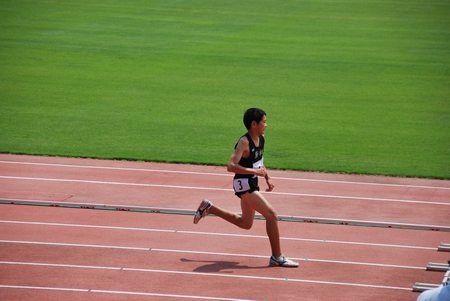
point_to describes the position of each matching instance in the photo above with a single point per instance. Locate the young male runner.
(247, 164)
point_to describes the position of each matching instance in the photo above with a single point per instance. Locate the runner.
(247, 162)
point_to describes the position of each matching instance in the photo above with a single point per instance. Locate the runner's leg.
(244, 221)
(257, 201)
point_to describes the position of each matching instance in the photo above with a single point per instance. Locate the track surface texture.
(356, 237)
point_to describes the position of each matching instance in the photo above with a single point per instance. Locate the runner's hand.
(261, 172)
(270, 185)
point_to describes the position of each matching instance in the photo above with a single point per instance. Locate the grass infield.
(349, 86)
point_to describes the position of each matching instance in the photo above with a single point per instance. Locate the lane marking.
(84, 290)
(382, 265)
(205, 253)
(90, 290)
(220, 174)
(73, 245)
(166, 295)
(313, 240)
(61, 265)
(223, 275)
(216, 234)
(222, 189)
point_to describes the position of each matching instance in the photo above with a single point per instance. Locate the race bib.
(241, 185)
(259, 163)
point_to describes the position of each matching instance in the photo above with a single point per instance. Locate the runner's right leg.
(244, 221)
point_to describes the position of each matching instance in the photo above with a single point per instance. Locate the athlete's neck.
(255, 137)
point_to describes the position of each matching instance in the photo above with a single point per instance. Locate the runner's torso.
(255, 158)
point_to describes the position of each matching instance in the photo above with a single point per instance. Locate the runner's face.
(262, 125)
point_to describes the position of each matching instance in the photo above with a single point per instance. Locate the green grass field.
(349, 86)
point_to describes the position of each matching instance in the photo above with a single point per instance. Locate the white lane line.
(205, 253)
(87, 226)
(72, 245)
(226, 276)
(84, 290)
(216, 234)
(380, 265)
(166, 295)
(222, 189)
(59, 265)
(90, 290)
(220, 174)
(313, 240)
(114, 183)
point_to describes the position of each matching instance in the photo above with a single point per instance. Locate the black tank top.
(255, 159)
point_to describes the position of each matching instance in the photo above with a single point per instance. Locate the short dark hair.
(253, 114)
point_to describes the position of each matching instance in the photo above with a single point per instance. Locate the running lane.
(95, 255)
(321, 196)
(158, 256)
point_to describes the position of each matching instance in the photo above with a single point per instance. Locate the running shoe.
(282, 261)
(202, 210)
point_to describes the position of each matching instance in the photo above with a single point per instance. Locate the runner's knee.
(271, 215)
(245, 224)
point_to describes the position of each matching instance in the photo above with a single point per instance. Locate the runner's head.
(253, 114)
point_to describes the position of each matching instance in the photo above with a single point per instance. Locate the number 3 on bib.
(241, 185)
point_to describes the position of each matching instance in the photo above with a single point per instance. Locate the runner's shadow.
(220, 266)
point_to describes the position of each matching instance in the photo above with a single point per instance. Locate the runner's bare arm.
(270, 185)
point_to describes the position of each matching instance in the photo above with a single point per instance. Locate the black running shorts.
(244, 185)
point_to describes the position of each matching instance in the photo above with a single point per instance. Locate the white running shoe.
(282, 261)
(202, 210)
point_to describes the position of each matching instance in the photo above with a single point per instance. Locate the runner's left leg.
(256, 201)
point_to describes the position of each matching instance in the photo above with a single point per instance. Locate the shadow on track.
(221, 266)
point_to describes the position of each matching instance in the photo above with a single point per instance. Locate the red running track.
(55, 253)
